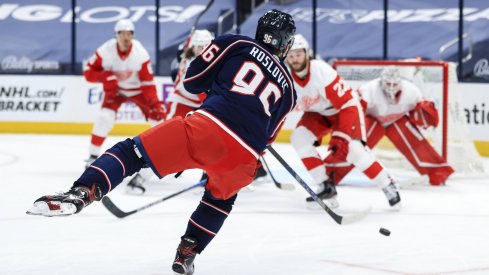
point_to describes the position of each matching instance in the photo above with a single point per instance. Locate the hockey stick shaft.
(116, 211)
(194, 26)
(277, 183)
(337, 218)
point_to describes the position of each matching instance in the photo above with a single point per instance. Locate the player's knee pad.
(112, 167)
(302, 137)
(358, 155)
(104, 122)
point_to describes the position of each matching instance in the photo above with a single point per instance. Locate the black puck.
(384, 231)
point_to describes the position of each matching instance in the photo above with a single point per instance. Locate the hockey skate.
(327, 193)
(136, 186)
(90, 160)
(392, 193)
(65, 204)
(184, 259)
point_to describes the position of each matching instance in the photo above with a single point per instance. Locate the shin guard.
(208, 218)
(112, 167)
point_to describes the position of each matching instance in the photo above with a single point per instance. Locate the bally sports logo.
(481, 68)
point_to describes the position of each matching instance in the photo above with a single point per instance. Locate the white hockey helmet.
(391, 81)
(200, 38)
(300, 42)
(124, 25)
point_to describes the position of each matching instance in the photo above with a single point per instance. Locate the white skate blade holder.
(41, 208)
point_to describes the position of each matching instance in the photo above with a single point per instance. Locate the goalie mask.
(391, 82)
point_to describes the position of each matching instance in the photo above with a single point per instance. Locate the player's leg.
(419, 152)
(122, 160)
(103, 123)
(363, 159)
(305, 139)
(339, 169)
(102, 176)
(228, 173)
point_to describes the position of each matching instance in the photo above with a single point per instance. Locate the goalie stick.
(116, 211)
(337, 218)
(283, 186)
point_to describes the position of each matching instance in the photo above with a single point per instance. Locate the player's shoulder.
(321, 64)
(139, 49)
(234, 40)
(370, 89)
(107, 47)
(406, 84)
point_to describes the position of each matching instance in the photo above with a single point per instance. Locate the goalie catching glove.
(424, 115)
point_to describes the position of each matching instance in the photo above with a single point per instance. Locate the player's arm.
(148, 89)
(424, 114)
(350, 115)
(94, 72)
(203, 69)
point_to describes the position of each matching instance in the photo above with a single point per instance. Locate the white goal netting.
(452, 138)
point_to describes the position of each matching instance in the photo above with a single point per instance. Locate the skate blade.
(42, 209)
(331, 203)
(135, 191)
(397, 207)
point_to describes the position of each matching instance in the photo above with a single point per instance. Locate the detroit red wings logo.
(306, 102)
(122, 75)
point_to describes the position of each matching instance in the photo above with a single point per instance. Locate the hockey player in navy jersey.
(249, 93)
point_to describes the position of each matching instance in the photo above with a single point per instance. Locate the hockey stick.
(283, 186)
(192, 30)
(107, 202)
(337, 218)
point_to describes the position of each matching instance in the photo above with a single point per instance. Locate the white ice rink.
(440, 230)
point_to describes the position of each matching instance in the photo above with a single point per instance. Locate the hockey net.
(452, 138)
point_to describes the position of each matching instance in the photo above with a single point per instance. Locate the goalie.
(395, 108)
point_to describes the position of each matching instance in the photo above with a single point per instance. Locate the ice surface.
(440, 230)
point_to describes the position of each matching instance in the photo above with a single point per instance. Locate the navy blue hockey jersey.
(249, 88)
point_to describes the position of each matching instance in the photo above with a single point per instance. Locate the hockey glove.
(424, 114)
(109, 81)
(157, 111)
(339, 148)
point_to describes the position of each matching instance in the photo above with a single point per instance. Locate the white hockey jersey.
(132, 69)
(322, 90)
(180, 95)
(382, 109)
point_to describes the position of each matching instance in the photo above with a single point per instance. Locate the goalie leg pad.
(419, 152)
(112, 167)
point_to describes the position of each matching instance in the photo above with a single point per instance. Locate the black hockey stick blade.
(283, 186)
(337, 218)
(116, 211)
